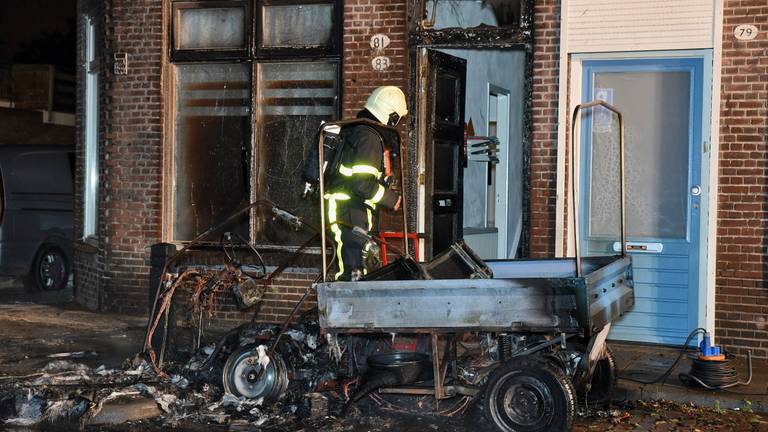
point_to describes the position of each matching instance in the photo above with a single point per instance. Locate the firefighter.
(359, 187)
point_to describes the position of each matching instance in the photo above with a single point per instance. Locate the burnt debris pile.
(237, 380)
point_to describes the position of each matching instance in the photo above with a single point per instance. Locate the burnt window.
(253, 80)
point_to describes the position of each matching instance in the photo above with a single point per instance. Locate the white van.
(36, 226)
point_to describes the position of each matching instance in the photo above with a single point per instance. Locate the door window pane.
(446, 105)
(656, 109)
(210, 28)
(212, 151)
(446, 164)
(297, 25)
(293, 99)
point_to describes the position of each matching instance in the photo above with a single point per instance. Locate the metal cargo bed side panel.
(462, 304)
(609, 294)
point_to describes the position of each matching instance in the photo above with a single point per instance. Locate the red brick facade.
(363, 19)
(130, 158)
(543, 163)
(112, 270)
(741, 304)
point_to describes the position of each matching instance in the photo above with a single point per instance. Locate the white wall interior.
(472, 13)
(503, 69)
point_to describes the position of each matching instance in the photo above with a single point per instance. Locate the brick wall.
(133, 153)
(543, 163)
(88, 258)
(130, 159)
(363, 19)
(741, 315)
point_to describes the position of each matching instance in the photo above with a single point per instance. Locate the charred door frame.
(513, 39)
(432, 131)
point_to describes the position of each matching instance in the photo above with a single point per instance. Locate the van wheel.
(50, 271)
(529, 395)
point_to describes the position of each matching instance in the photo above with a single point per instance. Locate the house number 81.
(379, 41)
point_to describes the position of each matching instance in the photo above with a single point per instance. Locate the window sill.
(88, 244)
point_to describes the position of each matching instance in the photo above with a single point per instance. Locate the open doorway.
(491, 211)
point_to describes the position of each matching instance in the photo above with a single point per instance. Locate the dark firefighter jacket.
(361, 167)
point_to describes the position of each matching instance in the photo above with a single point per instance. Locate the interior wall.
(505, 69)
(458, 13)
(473, 13)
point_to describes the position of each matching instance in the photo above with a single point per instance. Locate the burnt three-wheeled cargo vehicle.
(540, 325)
(523, 339)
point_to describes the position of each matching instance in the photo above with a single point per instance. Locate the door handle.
(640, 247)
(696, 190)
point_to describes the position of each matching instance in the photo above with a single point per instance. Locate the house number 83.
(380, 63)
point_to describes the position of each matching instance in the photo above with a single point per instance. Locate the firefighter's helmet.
(387, 104)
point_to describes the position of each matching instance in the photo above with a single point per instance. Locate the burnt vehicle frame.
(553, 303)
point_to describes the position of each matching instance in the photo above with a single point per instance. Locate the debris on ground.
(662, 416)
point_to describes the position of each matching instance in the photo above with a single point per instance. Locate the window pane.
(446, 159)
(446, 103)
(293, 99)
(212, 149)
(210, 28)
(91, 134)
(656, 106)
(292, 26)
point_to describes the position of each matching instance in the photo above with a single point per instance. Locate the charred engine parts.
(457, 262)
(506, 346)
(403, 268)
(243, 375)
(392, 369)
(249, 292)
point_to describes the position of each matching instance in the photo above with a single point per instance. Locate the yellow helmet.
(387, 104)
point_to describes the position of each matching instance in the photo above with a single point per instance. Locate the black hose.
(373, 382)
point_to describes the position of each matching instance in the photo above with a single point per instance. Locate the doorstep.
(648, 362)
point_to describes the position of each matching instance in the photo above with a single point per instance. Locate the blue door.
(661, 100)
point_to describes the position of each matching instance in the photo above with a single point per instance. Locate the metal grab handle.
(575, 177)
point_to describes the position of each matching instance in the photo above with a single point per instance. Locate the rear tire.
(529, 395)
(50, 270)
(603, 380)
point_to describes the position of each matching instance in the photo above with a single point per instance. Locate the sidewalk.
(35, 326)
(646, 363)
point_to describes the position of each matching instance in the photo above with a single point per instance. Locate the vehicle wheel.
(529, 395)
(242, 375)
(603, 380)
(50, 271)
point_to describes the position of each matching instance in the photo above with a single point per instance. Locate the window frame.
(253, 56)
(209, 54)
(91, 95)
(333, 48)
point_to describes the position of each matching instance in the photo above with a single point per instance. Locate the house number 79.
(745, 32)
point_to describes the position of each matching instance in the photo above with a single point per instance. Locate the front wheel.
(50, 270)
(529, 395)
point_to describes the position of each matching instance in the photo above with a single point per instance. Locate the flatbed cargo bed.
(524, 295)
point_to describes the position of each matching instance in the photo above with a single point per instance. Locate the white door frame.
(709, 163)
(501, 200)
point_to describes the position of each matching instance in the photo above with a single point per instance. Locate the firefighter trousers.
(343, 215)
